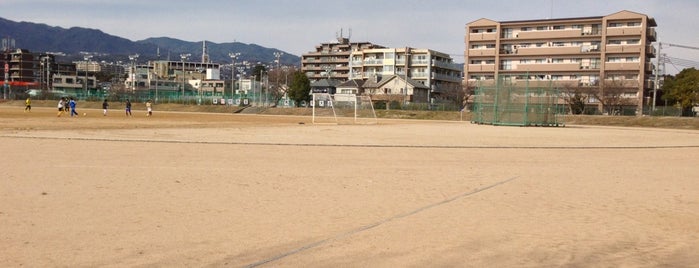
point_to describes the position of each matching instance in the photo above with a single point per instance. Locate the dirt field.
(213, 190)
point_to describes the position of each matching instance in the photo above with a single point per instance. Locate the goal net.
(342, 109)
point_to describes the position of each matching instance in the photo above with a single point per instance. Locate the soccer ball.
(84, 114)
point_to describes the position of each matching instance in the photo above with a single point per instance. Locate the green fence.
(517, 104)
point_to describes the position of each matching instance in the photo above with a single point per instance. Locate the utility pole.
(407, 56)
(132, 75)
(155, 72)
(279, 69)
(233, 57)
(183, 57)
(657, 71)
(87, 66)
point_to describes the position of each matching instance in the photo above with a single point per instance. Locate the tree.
(300, 87)
(278, 79)
(258, 71)
(683, 89)
(576, 97)
(613, 96)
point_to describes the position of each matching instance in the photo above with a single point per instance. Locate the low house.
(395, 88)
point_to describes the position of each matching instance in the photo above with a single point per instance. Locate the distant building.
(612, 51)
(434, 70)
(346, 61)
(27, 70)
(331, 60)
(173, 75)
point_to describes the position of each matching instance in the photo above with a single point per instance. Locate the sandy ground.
(225, 190)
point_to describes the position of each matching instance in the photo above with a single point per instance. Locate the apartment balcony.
(341, 68)
(552, 34)
(649, 84)
(622, 66)
(419, 75)
(313, 68)
(651, 51)
(547, 67)
(481, 68)
(482, 36)
(548, 83)
(420, 62)
(481, 52)
(373, 62)
(482, 83)
(444, 77)
(623, 49)
(623, 31)
(649, 67)
(447, 65)
(652, 35)
(630, 83)
(371, 74)
(526, 51)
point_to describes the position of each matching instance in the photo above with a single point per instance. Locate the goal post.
(342, 109)
(323, 109)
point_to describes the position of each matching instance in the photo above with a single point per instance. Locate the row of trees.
(683, 90)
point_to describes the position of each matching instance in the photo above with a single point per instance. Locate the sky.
(298, 26)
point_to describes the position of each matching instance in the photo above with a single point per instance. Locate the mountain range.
(74, 41)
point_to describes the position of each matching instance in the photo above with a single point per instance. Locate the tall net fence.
(521, 103)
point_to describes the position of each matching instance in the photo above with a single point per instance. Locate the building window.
(615, 24)
(541, 28)
(614, 42)
(633, 24)
(577, 26)
(559, 27)
(507, 33)
(526, 29)
(632, 59)
(506, 65)
(633, 42)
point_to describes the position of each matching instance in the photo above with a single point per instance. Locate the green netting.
(505, 102)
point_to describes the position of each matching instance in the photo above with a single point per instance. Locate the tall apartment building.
(331, 60)
(435, 70)
(345, 61)
(604, 51)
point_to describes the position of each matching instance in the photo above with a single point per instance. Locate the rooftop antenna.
(551, 11)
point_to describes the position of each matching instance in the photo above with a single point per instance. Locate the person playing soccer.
(72, 105)
(61, 105)
(28, 108)
(105, 106)
(128, 107)
(149, 108)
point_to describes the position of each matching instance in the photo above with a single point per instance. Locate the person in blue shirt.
(72, 104)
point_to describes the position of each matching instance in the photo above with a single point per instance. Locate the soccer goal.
(342, 109)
